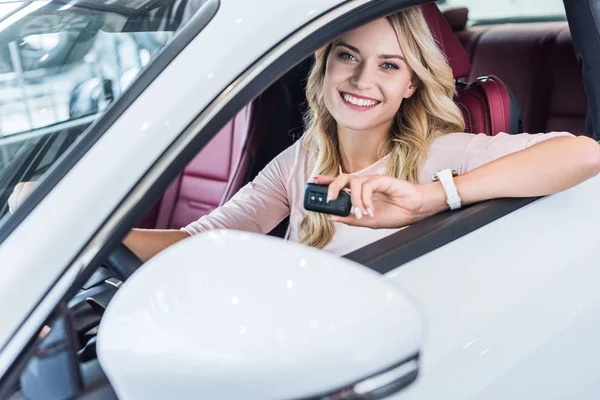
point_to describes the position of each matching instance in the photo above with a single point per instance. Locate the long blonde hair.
(428, 113)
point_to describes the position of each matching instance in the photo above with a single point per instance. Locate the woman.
(381, 120)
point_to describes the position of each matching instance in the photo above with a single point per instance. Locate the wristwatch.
(446, 177)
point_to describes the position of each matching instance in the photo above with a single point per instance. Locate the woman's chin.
(358, 126)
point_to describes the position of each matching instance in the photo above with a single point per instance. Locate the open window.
(275, 80)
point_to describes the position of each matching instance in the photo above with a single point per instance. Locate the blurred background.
(482, 10)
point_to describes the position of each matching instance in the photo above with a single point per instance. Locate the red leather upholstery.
(227, 162)
(209, 177)
(537, 62)
(447, 41)
(486, 103)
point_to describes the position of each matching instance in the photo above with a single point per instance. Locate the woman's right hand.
(19, 194)
(380, 201)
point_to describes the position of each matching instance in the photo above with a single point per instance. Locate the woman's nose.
(363, 77)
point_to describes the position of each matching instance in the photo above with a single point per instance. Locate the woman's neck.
(360, 149)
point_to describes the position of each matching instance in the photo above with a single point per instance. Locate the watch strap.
(446, 177)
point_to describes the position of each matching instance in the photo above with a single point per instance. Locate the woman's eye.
(347, 56)
(389, 65)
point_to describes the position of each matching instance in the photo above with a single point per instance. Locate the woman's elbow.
(589, 154)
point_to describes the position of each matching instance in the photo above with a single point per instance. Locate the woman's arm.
(547, 167)
(146, 243)
(257, 207)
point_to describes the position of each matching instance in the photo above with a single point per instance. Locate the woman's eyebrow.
(388, 56)
(353, 48)
(356, 50)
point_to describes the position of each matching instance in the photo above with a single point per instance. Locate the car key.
(315, 199)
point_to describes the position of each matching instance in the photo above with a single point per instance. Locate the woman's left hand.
(381, 201)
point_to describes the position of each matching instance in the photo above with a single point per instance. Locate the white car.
(499, 300)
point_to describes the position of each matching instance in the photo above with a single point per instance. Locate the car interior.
(511, 77)
(531, 65)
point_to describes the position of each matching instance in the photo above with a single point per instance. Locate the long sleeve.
(260, 205)
(464, 152)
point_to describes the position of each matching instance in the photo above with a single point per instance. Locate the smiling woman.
(380, 104)
(400, 123)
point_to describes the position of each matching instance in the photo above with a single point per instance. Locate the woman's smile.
(358, 102)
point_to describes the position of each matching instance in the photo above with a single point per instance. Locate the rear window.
(510, 9)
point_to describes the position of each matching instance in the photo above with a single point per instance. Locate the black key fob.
(315, 199)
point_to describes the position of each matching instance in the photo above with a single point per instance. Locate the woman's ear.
(412, 88)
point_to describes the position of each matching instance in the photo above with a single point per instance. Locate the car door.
(53, 243)
(40, 246)
(82, 208)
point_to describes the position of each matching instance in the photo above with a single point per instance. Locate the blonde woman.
(382, 123)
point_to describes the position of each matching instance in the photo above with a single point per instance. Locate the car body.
(506, 290)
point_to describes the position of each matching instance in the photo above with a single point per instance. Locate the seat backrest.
(205, 180)
(228, 161)
(568, 102)
(536, 60)
(487, 104)
(447, 40)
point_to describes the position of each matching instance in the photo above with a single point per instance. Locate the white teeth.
(359, 102)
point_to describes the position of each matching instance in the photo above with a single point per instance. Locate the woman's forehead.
(377, 36)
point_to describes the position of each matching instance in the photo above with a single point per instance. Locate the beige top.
(278, 191)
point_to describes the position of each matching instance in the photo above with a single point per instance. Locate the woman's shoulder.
(451, 140)
(290, 163)
(292, 155)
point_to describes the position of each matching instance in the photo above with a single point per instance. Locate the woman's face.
(366, 77)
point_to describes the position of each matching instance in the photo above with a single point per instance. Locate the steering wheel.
(123, 262)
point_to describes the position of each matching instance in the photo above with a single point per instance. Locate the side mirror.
(227, 314)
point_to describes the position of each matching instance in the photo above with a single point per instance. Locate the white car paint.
(511, 309)
(270, 320)
(65, 220)
(518, 323)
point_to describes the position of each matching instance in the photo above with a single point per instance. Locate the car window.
(509, 9)
(62, 64)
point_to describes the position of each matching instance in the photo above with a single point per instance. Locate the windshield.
(509, 9)
(62, 63)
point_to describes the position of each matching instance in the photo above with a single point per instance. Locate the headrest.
(457, 17)
(447, 40)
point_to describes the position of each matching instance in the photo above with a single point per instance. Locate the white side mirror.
(232, 315)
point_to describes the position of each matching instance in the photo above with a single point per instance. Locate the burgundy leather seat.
(537, 61)
(208, 180)
(487, 104)
(233, 156)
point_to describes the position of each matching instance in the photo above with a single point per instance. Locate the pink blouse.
(278, 190)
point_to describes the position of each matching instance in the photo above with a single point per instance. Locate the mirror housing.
(228, 314)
